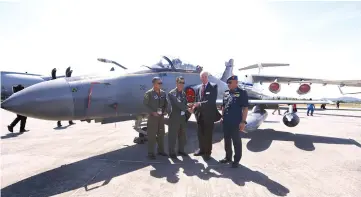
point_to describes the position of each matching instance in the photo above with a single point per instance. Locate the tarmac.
(319, 157)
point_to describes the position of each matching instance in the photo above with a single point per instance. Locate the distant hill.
(345, 99)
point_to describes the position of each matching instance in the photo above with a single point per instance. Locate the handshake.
(191, 106)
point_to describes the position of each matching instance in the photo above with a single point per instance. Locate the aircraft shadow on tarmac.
(102, 168)
(261, 140)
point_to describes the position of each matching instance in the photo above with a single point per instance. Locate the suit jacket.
(208, 111)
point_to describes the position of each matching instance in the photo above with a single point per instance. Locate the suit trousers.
(22, 123)
(205, 135)
(232, 133)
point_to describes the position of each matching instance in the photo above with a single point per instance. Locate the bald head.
(204, 77)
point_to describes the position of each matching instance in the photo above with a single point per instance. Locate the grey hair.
(204, 73)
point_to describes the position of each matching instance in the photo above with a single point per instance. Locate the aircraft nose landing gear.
(142, 138)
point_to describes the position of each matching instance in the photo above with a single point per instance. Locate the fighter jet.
(305, 83)
(109, 99)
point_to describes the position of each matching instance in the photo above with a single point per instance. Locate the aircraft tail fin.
(228, 71)
(262, 65)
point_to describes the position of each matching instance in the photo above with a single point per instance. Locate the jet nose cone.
(49, 100)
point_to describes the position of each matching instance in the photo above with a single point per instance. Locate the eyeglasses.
(160, 83)
(181, 82)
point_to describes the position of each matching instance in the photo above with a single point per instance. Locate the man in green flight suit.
(178, 118)
(155, 100)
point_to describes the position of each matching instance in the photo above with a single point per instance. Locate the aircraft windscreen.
(177, 63)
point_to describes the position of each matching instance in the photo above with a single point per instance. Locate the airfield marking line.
(86, 183)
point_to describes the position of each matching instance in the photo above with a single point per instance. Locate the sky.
(318, 39)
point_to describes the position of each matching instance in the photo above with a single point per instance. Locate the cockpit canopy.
(172, 65)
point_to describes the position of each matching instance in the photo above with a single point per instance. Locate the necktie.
(203, 90)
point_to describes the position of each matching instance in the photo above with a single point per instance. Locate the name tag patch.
(207, 92)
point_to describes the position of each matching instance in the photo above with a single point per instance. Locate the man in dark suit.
(206, 113)
(18, 118)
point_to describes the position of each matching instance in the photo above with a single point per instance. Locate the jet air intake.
(303, 89)
(274, 87)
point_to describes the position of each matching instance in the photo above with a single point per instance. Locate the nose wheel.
(142, 138)
(139, 122)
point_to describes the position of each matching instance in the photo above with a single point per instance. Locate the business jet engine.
(274, 87)
(304, 89)
(291, 119)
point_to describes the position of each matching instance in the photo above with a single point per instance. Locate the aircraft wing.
(220, 102)
(280, 79)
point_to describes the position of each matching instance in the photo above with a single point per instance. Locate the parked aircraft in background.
(109, 99)
(305, 83)
(11, 79)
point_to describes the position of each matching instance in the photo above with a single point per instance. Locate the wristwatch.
(245, 122)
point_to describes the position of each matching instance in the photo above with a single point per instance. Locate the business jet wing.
(284, 79)
(220, 102)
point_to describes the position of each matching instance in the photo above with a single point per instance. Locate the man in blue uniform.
(310, 108)
(234, 111)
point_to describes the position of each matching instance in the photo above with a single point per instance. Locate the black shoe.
(10, 129)
(151, 157)
(173, 156)
(71, 123)
(183, 154)
(235, 165)
(162, 154)
(59, 125)
(198, 153)
(206, 157)
(225, 160)
(23, 130)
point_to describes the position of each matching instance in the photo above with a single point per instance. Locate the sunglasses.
(181, 82)
(160, 83)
